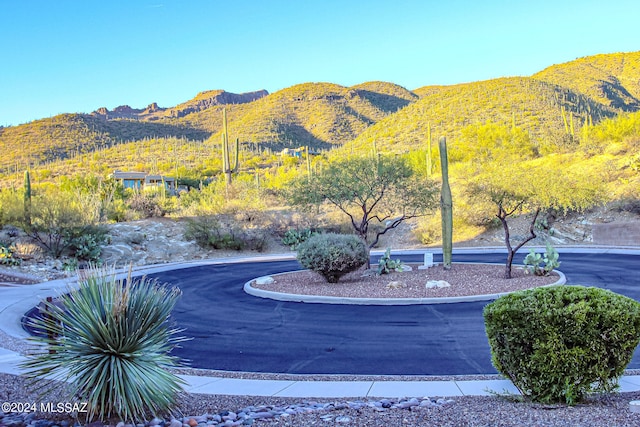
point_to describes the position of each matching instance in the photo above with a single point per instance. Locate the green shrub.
(333, 255)
(56, 220)
(88, 245)
(209, 233)
(293, 237)
(7, 255)
(110, 340)
(558, 344)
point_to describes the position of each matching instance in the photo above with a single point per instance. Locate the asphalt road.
(237, 332)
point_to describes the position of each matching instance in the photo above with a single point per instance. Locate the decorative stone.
(262, 415)
(265, 280)
(230, 416)
(369, 273)
(634, 405)
(192, 422)
(343, 419)
(396, 285)
(437, 284)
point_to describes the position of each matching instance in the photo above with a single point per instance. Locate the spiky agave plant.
(110, 339)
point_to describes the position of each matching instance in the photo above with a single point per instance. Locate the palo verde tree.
(373, 190)
(529, 188)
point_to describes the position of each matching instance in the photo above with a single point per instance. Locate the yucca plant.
(110, 339)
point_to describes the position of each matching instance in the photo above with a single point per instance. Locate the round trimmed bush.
(332, 255)
(557, 344)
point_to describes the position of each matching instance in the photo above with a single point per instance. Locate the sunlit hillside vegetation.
(320, 115)
(549, 114)
(67, 135)
(553, 121)
(610, 79)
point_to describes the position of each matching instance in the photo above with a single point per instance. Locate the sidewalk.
(10, 360)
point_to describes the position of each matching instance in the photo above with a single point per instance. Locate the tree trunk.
(502, 215)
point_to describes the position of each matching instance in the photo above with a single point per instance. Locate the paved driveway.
(237, 332)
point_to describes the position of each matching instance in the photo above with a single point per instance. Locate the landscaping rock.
(431, 284)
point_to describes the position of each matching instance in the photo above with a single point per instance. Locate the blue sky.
(76, 56)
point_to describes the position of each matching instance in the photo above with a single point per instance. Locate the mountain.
(611, 79)
(65, 135)
(549, 107)
(321, 115)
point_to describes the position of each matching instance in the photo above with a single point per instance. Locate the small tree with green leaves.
(381, 190)
(529, 188)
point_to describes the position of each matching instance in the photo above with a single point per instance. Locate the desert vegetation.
(541, 146)
(111, 339)
(360, 162)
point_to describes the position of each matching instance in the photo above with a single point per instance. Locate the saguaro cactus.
(446, 207)
(308, 163)
(429, 167)
(227, 169)
(27, 198)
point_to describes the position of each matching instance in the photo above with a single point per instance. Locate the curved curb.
(319, 299)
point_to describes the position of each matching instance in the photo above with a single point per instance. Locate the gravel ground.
(610, 410)
(465, 279)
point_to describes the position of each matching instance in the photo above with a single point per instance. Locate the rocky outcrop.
(213, 98)
(201, 102)
(126, 112)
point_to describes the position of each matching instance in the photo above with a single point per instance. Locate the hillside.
(526, 103)
(321, 115)
(611, 79)
(66, 135)
(549, 109)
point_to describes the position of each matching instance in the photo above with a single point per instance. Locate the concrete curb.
(317, 299)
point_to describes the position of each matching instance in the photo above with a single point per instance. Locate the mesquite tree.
(373, 190)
